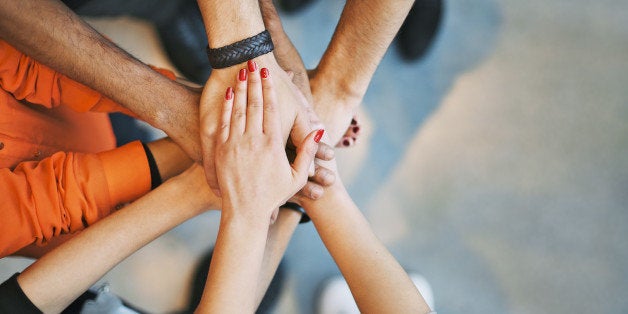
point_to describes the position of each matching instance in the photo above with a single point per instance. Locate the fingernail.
(346, 143)
(356, 129)
(264, 72)
(319, 135)
(229, 93)
(252, 65)
(242, 75)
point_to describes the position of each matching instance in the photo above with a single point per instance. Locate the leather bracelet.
(294, 206)
(241, 51)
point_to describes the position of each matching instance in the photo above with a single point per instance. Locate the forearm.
(377, 281)
(235, 266)
(279, 236)
(51, 33)
(364, 32)
(169, 157)
(56, 279)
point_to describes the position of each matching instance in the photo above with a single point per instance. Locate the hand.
(253, 171)
(291, 108)
(334, 106)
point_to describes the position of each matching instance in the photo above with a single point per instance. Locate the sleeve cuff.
(13, 299)
(127, 172)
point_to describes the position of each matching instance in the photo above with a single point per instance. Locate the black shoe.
(200, 277)
(293, 6)
(185, 41)
(419, 29)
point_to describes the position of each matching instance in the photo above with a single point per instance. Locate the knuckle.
(256, 103)
(239, 113)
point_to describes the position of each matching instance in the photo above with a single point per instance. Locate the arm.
(52, 34)
(377, 281)
(59, 277)
(255, 177)
(279, 236)
(67, 191)
(364, 32)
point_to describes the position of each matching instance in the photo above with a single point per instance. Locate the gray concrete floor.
(497, 166)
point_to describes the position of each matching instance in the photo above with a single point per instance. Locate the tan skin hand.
(253, 171)
(292, 116)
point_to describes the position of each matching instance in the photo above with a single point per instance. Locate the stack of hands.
(260, 144)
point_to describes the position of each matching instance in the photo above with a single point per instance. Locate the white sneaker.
(336, 298)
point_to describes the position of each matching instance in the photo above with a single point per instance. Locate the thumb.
(305, 154)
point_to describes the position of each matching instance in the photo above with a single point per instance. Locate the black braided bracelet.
(240, 51)
(294, 206)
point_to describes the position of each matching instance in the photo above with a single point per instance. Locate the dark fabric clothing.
(156, 11)
(13, 300)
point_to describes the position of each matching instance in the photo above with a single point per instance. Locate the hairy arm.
(59, 277)
(51, 33)
(364, 32)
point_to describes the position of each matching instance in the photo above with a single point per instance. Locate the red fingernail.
(319, 135)
(242, 75)
(229, 93)
(252, 65)
(346, 143)
(264, 72)
(356, 129)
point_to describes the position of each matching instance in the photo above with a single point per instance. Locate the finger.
(272, 120)
(305, 121)
(238, 115)
(305, 155)
(323, 176)
(254, 113)
(325, 152)
(311, 190)
(208, 159)
(225, 116)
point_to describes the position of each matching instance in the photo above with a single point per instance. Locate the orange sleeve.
(36, 83)
(67, 192)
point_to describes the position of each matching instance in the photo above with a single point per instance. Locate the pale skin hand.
(255, 177)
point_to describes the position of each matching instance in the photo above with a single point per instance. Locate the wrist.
(332, 83)
(192, 188)
(332, 196)
(247, 217)
(240, 51)
(227, 22)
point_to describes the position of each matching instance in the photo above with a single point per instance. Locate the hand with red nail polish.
(295, 125)
(253, 171)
